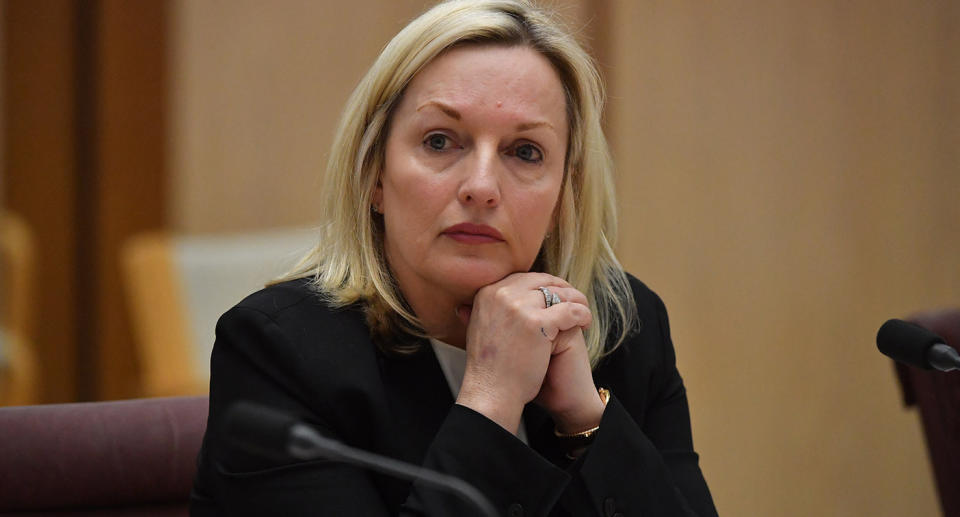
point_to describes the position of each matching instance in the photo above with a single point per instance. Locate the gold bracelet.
(583, 438)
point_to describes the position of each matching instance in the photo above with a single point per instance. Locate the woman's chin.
(466, 288)
(466, 281)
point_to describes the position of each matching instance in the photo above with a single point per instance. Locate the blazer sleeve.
(646, 468)
(252, 360)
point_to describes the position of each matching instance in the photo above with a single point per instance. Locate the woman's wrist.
(576, 442)
(505, 413)
(584, 417)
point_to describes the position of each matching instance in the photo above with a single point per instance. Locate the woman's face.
(473, 170)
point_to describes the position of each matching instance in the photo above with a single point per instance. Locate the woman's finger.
(567, 294)
(563, 317)
(532, 280)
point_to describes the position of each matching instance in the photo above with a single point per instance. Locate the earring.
(376, 209)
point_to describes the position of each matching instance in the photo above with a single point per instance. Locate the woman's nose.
(481, 186)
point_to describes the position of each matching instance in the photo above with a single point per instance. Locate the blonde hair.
(348, 265)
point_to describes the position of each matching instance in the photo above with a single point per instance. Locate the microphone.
(916, 346)
(268, 432)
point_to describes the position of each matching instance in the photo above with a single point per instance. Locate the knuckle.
(500, 293)
(581, 312)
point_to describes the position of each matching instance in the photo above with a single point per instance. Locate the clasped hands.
(518, 351)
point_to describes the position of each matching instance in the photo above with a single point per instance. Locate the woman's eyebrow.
(454, 114)
(449, 111)
(533, 125)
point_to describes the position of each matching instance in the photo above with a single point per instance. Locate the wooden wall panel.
(256, 91)
(40, 182)
(84, 135)
(131, 160)
(788, 185)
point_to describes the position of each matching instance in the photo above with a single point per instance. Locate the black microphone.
(275, 434)
(914, 345)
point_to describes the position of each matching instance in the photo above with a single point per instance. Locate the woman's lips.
(469, 233)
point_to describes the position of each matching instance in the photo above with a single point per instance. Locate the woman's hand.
(568, 392)
(514, 344)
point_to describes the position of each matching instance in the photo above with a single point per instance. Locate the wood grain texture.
(39, 168)
(131, 165)
(787, 187)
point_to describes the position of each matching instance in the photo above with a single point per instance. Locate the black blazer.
(284, 347)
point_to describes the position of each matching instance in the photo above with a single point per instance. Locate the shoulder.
(290, 334)
(290, 300)
(297, 309)
(286, 347)
(648, 303)
(650, 317)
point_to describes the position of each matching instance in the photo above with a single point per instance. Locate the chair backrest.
(178, 287)
(18, 368)
(937, 395)
(101, 458)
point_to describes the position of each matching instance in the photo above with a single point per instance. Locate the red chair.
(937, 395)
(121, 458)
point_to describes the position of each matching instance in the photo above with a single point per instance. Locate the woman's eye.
(437, 141)
(528, 153)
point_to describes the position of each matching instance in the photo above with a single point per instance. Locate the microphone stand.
(307, 444)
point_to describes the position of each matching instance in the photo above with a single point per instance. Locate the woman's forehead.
(477, 76)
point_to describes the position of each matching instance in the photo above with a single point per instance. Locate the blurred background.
(788, 177)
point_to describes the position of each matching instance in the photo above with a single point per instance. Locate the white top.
(453, 362)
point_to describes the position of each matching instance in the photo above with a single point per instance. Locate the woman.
(464, 309)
